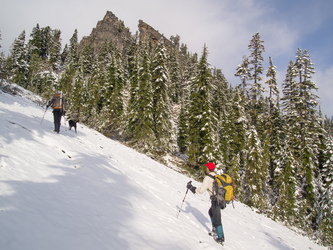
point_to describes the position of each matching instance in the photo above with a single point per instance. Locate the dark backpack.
(57, 102)
(223, 189)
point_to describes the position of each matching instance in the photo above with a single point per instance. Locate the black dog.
(72, 124)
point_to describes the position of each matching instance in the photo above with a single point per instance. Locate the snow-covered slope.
(84, 191)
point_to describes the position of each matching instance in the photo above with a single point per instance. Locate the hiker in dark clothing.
(59, 109)
(215, 210)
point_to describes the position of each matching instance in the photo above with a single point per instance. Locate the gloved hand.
(191, 187)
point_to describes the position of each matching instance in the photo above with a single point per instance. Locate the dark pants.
(215, 213)
(57, 118)
(215, 217)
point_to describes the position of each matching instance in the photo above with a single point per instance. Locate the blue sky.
(225, 26)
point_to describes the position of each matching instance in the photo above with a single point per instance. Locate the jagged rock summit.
(146, 32)
(113, 29)
(108, 29)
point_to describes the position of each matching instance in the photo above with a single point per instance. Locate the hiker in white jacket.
(215, 210)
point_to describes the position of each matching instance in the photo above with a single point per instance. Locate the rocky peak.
(113, 29)
(108, 29)
(146, 33)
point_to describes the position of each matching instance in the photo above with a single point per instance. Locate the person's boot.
(56, 128)
(213, 232)
(220, 235)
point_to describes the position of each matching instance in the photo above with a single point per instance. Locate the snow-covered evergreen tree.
(201, 120)
(70, 64)
(80, 95)
(18, 61)
(161, 103)
(174, 67)
(309, 132)
(256, 59)
(55, 50)
(132, 69)
(97, 88)
(255, 179)
(221, 97)
(182, 140)
(115, 103)
(72, 58)
(272, 86)
(273, 127)
(326, 202)
(233, 125)
(140, 125)
(303, 133)
(244, 73)
(285, 206)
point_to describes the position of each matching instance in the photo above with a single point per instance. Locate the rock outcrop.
(148, 33)
(113, 29)
(108, 29)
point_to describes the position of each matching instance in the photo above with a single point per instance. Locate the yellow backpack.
(223, 189)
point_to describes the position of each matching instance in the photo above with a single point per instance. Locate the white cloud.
(324, 81)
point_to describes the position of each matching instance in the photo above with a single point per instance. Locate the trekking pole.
(43, 115)
(182, 203)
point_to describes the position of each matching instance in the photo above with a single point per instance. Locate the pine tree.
(140, 126)
(256, 48)
(273, 125)
(220, 92)
(80, 95)
(70, 65)
(40, 41)
(244, 72)
(256, 173)
(97, 89)
(115, 99)
(303, 133)
(201, 120)
(161, 103)
(226, 126)
(221, 103)
(285, 206)
(309, 134)
(43, 52)
(54, 60)
(175, 74)
(18, 62)
(326, 203)
(233, 125)
(64, 55)
(182, 140)
(132, 69)
(272, 86)
(55, 50)
(72, 58)
(3, 64)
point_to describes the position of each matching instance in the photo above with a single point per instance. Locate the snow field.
(85, 191)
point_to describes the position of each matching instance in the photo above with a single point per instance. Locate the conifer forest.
(268, 133)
